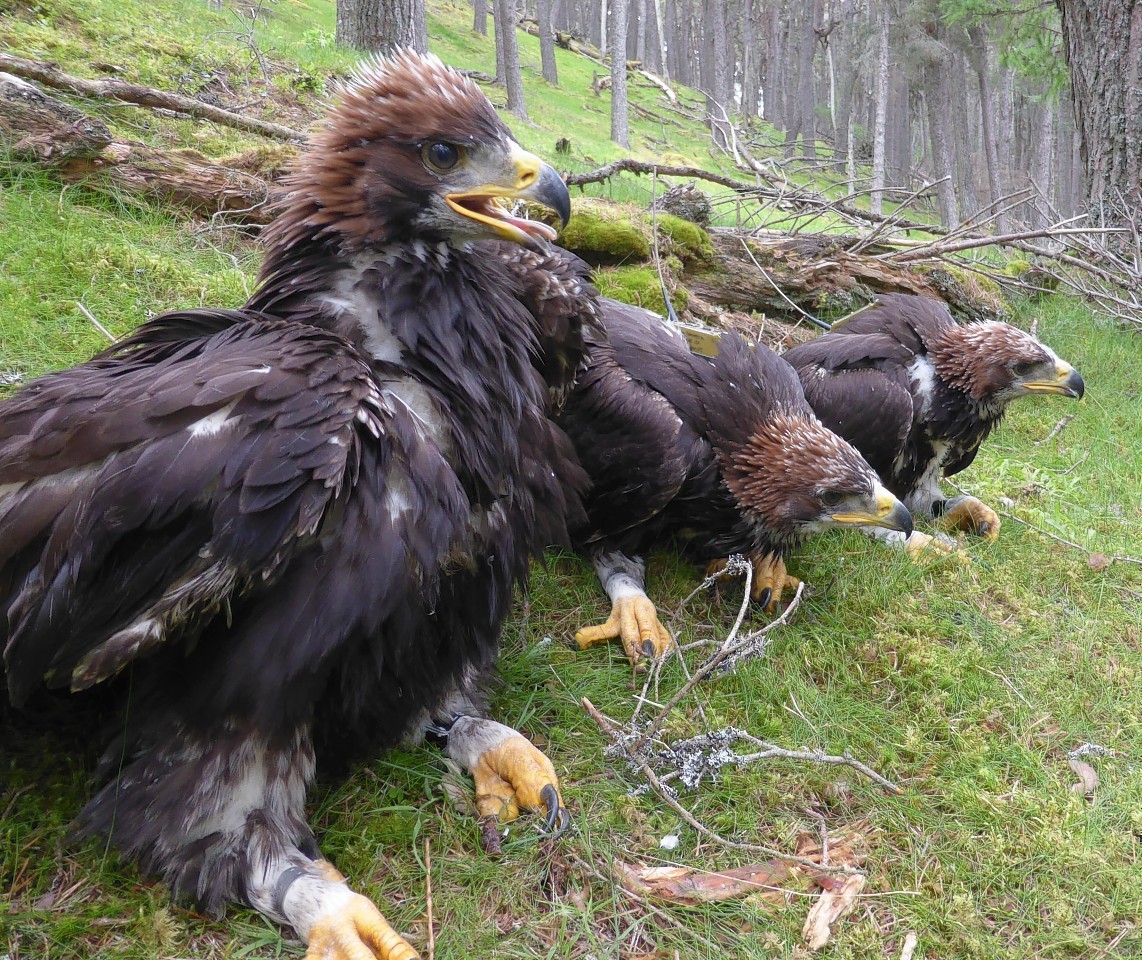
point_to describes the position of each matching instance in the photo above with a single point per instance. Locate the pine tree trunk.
(513, 77)
(937, 93)
(620, 131)
(1103, 42)
(880, 125)
(979, 48)
(546, 42)
(480, 17)
(381, 25)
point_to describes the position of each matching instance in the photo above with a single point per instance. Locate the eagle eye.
(440, 156)
(830, 498)
(1021, 369)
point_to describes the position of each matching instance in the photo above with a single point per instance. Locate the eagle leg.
(356, 930)
(510, 772)
(634, 619)
(971, 515)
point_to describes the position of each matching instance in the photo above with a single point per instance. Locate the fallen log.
(141, 96)
(80, 149)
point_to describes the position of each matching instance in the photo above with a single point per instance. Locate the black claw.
(558, 819)
(648, 649)
(766, 596)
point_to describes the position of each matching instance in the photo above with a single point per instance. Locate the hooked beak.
(527, 178)
(1067, 382)
(889, 513)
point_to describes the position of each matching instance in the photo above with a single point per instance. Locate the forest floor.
(966, 684)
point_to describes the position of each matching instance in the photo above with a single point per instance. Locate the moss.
(637, 285)
(267, 160)
(604, 238)
(690, 241)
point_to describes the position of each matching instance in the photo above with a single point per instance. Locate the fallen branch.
(142, 97)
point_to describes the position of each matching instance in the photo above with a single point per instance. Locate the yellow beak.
(526, 178)
(889, 513)
(1067, 382)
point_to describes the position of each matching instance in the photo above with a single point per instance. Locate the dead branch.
(80, 149)
(142, 96)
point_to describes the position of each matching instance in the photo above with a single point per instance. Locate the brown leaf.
(1098, 562)
(1088, 778)
(689, 886)
(829, 908)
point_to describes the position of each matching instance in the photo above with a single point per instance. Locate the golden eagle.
(290, 533)
(918, 393)
(722, 456)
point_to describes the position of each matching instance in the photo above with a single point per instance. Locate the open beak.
(1067, 382)
(889, 513)
(527, 178)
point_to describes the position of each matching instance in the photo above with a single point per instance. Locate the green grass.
(965, 684)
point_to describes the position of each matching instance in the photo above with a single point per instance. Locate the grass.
(965, 684)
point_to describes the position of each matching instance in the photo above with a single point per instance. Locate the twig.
(909, 948)
(664, 794)
(142, 97)
(428, 899)
(98, 326)
(1057, 429)
(807, 316)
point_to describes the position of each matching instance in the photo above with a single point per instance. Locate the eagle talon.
(765, 597)
(921, 547)
(356, 931)
(558, 819)
(971, 515)
(770, 581)
(633, 621)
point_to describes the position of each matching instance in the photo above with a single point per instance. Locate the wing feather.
(141, 491)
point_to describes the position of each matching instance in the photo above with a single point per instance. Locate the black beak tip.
(1076, 385)
(555, 194)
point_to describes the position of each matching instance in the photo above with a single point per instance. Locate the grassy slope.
(966, 685)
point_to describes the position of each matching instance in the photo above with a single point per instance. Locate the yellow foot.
(972, 516)
(770, 579)
(356, 930)
(921, 547)
(635, 622)
(510, 772)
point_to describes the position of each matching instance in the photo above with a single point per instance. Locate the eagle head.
(412, 150)
(995, 363)
(793, 477)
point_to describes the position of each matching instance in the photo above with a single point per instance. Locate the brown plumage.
(289, 534)
(719, 457)
(918, 394)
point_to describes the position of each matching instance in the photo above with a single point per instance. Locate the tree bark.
(620, 128)
(546, 42)
(513, 77)
(1103, 43)
(978, 49)
(880, 125)
(382, 25)
(480, 17)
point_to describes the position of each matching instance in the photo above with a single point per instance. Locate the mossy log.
(80, 149)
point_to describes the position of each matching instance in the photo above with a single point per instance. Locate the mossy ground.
(966, 684)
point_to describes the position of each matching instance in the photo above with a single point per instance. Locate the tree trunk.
(978, 48)
(620, 130)
(513, 77)
(480, 17)
(1040, 172)
(880, 125)
(546, 42)
(382, 25)
(937, 93)
(1103, 42)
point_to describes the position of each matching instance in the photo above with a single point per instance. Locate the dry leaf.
(689, 886)
(909, 948)
(829, 908)
(1098, 562)
(1088, 778)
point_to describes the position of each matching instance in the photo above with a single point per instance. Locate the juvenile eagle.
(917, 393)
(722, 456)
(291, 532)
